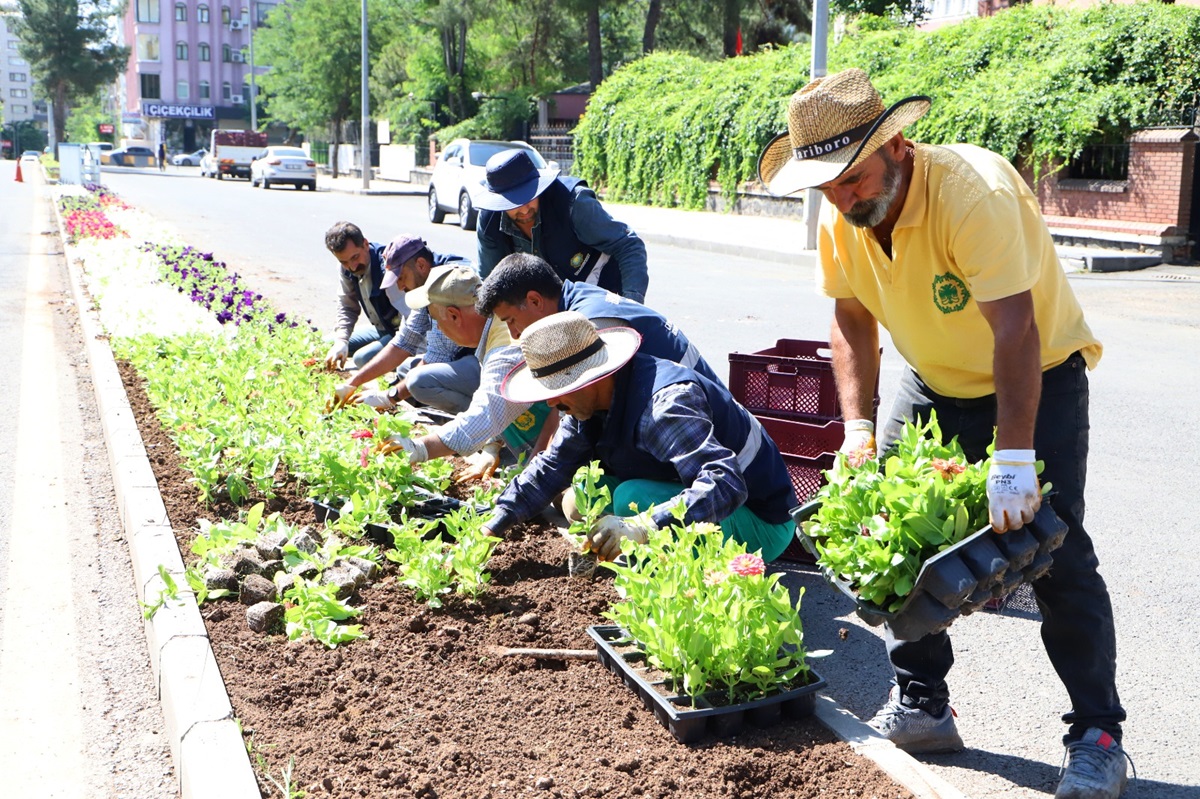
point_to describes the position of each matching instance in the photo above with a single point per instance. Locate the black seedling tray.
(960, 579)
(428, 506)
(675, 711)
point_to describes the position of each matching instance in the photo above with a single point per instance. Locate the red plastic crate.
(807, 449)
(793, 379)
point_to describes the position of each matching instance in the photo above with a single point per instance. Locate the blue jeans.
(1077, 626)
(366, 344)
(445, 386)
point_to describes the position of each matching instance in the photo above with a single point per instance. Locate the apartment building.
(189, 70)
(16, 82)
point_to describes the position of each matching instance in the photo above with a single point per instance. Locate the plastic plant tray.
(690, 724)
(428, 506)
(960, 579)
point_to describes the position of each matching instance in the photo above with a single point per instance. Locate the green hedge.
(1035, 81)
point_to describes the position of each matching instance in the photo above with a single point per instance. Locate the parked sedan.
(31, 156)
(458, 171)
(189, 159)
(289, 165)
(132, 156)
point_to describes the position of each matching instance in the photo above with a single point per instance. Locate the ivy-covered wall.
(1038, 83)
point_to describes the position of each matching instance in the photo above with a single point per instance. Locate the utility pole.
(820, 36)
(365, 133)
(253, 89)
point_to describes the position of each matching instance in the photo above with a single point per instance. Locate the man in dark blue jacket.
(524, 288)
(663, 434)
(361, 290)
(523, 209)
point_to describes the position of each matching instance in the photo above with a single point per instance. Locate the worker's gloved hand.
(611, 530)
(337, 355)
(379, 400)
(1012, 489)
(417, 453)
(343, 395)
(859, 435)
(482, 464)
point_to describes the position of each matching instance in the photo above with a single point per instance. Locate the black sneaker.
(916, 731)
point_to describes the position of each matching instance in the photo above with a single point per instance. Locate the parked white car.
(281, 164)
(459, 169)
(189, 159)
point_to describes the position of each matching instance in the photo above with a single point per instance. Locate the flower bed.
(422, 705)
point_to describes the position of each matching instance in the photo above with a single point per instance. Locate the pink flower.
(713, 578)
(364, 460)
(748, 565)
(860, 456)
(362, 434)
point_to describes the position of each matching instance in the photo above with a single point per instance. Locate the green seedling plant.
(879, 520)
(705, 612)
(470, 552)
(168, 593)
(427, 570)
(592, 499)
(313, 609)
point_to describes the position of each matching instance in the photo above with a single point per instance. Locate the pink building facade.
(189, 70)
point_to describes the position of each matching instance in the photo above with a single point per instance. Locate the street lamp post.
(365, 134)
(253, 89)
(820, 35)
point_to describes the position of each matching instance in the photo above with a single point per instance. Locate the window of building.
(21, 92)
(147, 10)
(17, 77)
(202, 13)
(180, 12)
(205, 90)
(20, 109)
(16, 61)
(263, 9)
(204, 52)
(226, 90)
(181, 51)
(1101, 162)
(181, 90)
(13, 44)
(226, 53)
(150, 87)
(225, 16)
(147, 47)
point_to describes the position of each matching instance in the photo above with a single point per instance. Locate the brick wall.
(1154, 200)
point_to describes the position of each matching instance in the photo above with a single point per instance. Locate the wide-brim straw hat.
(834, 124)
(564, 352)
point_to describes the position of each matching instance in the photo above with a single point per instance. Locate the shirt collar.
(509, 227)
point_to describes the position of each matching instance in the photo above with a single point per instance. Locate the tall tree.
(69, 49)
(314, 50)
(653, 14)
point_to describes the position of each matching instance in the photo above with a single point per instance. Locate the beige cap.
(446, 285)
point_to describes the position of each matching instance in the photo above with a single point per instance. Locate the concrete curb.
(898, 764)
(206, 741)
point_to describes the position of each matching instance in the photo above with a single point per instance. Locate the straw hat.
(511, 180)
(834, 123)
(563, 353)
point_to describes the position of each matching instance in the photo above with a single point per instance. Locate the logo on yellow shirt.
(950, 293)
(524, 422)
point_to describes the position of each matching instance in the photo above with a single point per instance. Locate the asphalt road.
(1144, 456)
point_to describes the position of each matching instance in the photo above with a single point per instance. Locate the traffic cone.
(19, 178)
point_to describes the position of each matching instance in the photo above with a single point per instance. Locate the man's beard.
(869, 213)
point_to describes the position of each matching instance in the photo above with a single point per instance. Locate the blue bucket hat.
(512, 180)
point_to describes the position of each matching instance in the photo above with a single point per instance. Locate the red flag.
(738, 47)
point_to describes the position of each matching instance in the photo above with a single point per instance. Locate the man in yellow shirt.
(946, 247)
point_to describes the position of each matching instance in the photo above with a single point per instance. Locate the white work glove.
(1012, 489)
(611, 530)
(417, 453)
(337, 355)
(482, 464)
(379, 400)
(343, 395)
(859, 434)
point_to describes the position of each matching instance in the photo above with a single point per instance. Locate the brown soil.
(424, 708)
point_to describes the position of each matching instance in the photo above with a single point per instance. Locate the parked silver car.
(189, 159)
(459, 169)
(281, 164)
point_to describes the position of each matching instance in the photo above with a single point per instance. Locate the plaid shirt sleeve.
(678, 429)
(489, 413)
(412, 334)
(439, 348)
(549, 472)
